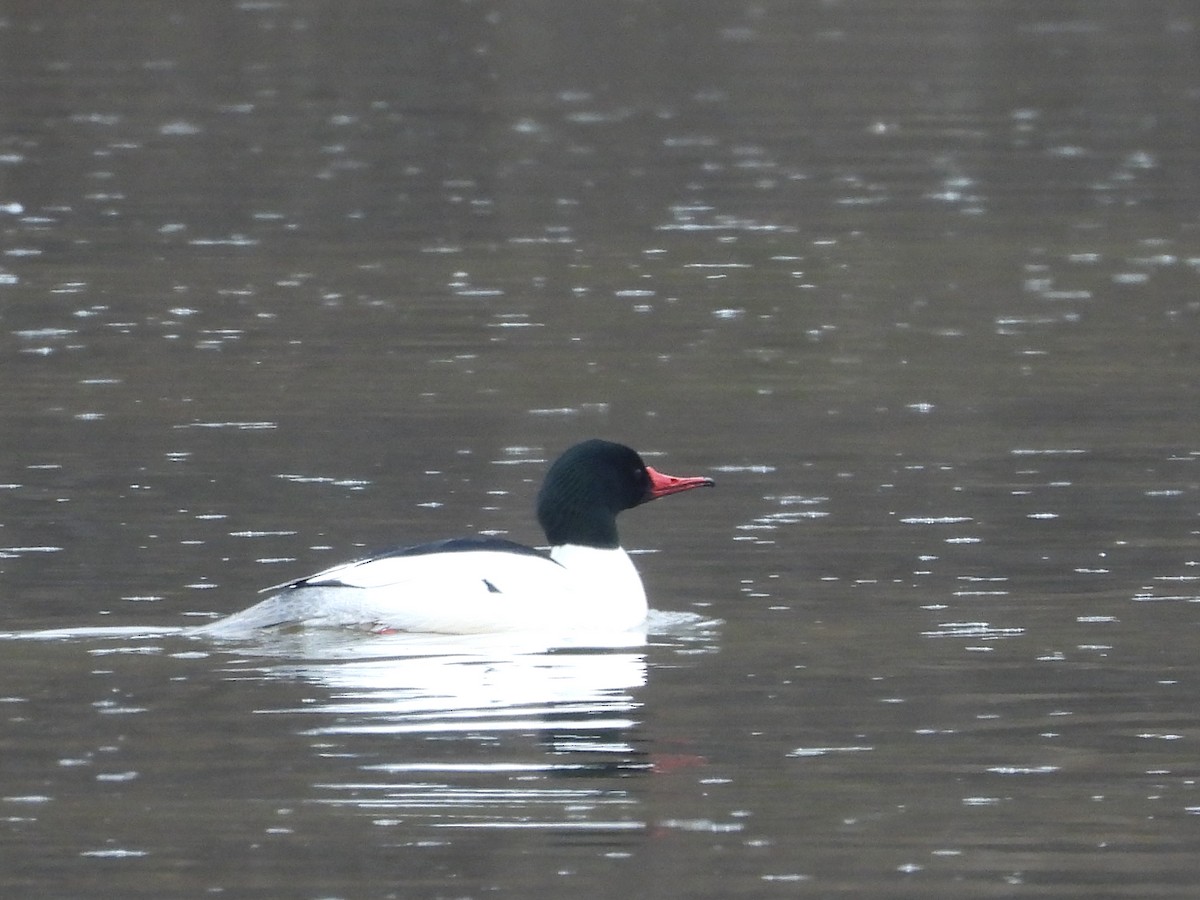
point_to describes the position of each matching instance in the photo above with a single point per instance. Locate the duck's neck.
(608, 578)
(567, 524)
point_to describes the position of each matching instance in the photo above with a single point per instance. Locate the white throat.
(608, 583)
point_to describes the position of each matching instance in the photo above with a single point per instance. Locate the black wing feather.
(449, 545)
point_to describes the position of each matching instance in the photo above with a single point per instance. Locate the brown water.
(916, 282)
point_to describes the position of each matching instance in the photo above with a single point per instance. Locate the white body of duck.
(476, 584)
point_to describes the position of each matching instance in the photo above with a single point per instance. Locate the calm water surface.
(916, 282)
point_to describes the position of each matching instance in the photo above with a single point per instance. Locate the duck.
(482, 584)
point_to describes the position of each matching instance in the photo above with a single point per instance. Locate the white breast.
(607, 585)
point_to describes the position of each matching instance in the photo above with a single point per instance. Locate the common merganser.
(483, 584)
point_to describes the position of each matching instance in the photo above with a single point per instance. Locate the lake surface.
(918, 283)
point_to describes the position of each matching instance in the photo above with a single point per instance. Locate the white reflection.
(497, 731)
(430, 684)
(500, 731)
(474, 731)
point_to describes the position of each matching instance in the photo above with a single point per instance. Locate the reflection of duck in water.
(478, 584)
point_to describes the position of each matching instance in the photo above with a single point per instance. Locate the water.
(915, 282)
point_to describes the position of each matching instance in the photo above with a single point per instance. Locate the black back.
(449, 545)
(462, 545)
